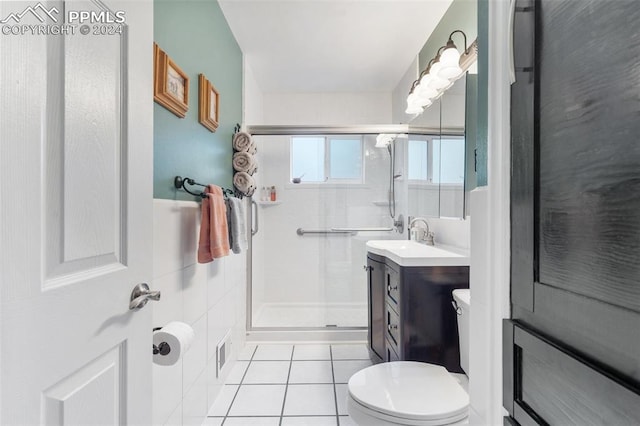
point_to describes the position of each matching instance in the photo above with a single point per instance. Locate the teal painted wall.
(197, 37)
(483, 91)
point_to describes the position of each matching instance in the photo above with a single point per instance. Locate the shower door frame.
(298, 130)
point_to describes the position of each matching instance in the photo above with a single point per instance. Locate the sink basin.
(411, 253)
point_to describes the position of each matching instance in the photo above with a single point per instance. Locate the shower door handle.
(254, 208)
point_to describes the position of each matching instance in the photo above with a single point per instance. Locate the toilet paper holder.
(163, 348)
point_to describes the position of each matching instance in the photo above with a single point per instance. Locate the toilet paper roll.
(178, 336)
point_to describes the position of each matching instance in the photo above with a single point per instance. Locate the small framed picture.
(209, 103)
(170, 83)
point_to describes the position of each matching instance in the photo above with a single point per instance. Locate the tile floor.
(289, 385)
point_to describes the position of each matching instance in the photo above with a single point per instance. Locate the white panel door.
(76, 137)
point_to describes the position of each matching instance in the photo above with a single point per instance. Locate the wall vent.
(223, 352)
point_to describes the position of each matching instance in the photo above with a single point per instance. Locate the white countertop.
(411, 253)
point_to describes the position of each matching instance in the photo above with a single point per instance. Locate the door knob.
(141, 295)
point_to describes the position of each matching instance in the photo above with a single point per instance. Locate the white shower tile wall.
(211, 298)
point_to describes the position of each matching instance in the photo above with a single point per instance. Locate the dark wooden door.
(572, 345)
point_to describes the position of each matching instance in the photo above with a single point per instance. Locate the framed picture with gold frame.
(170, 83)
(209, 104)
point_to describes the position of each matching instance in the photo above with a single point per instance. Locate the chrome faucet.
(425, 237)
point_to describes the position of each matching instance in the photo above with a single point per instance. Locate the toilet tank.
(462, 299)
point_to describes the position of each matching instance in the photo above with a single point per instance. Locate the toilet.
(413, 393)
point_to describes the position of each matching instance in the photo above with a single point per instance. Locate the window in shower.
(451, 160)
(436, 160)
(327, 159)
(418, 156)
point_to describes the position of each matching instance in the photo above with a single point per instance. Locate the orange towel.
(214, 232)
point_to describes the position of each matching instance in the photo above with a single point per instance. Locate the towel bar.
(301, 231)
(179, 182)
(373, 229)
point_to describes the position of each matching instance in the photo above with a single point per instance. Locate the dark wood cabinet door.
(376, 291)
(572, 346)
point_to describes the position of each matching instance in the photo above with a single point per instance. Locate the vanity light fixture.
(440, 74)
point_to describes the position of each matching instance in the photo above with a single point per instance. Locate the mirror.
(437, 154)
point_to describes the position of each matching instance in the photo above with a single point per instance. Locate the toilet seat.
(410, 393)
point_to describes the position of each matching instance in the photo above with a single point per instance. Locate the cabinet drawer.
(393, 286)
(393, 325)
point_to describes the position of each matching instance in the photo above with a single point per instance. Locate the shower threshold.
(310, 322)
(308, 335)
(311, 315)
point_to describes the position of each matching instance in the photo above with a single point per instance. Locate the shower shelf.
(269, 203)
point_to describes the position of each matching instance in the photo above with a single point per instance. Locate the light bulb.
(449, 61)
(414, 109)
(449, 64)
(450, 73)
(424, 91)
(436, 82)
(450, 56)
(412, 99)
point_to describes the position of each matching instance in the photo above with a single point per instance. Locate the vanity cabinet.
(419, 321)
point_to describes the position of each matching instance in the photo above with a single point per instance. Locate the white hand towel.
(237, 233)
(242, 142)
(244, 183)
(244, 162)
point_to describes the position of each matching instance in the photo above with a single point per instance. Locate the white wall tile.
(194, 293)
(236, 274)
(452, 232)
(167, 391)
(215, 281)
(195, 359)
(169, 307)
(167, 239)
(216, 329)
(195, 404)
(215, 383)
(189, 232)
(209, 297)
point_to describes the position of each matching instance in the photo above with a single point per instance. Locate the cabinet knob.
(389, 288)
(367, 268)
(392, 327)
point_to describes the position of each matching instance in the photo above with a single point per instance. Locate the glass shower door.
(307, 266)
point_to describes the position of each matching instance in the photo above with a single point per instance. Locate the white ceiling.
(331, 45)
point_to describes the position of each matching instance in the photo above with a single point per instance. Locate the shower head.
(383, 140)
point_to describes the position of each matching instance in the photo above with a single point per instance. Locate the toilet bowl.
(412, 393)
